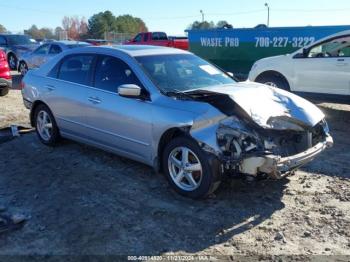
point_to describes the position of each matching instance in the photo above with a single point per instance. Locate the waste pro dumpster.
(236, 50)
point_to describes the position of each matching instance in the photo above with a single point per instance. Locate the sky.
(174, 16)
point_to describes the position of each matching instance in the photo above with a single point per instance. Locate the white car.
(322, 67)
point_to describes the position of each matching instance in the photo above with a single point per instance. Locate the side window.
(112, 72)
(333, 48)
(76, 69)
(155, 36)
(55, 49)
(138, 38)
(3, 41)
(42, 50)
(162, 36)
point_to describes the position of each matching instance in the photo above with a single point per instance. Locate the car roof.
(138, 50)
(67, 42)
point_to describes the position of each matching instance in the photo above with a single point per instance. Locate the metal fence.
(118, 38)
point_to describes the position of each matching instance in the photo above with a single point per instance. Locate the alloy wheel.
(185, 168)
(44, 125)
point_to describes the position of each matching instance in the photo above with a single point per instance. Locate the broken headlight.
(280, 123)
(234, 138)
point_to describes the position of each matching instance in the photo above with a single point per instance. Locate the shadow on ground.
(85, 201)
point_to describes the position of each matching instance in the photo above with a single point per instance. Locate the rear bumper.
(278, 167)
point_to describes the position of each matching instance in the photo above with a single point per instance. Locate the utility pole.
(268, 14)
(202, 13)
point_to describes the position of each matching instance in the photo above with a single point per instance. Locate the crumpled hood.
(262, 102)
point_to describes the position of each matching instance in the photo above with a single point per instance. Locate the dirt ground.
(83, 201)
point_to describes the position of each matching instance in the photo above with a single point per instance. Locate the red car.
(159, 39)
(5, 76)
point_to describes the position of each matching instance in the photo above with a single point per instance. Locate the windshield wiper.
(178, 94)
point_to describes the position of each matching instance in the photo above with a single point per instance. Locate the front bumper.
(278, 167)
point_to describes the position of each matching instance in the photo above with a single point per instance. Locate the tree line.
(101, 23)
(96, 26)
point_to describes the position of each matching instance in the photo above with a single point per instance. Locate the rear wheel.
(46, 127)
(189, 169)
(274, 80)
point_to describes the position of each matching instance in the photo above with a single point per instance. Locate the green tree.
(104, 22)
(130, 24)
(100, 23)
(201, 25)
(2, 29)
(223, 24)
(34, 32)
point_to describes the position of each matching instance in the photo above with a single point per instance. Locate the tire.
(12, 60)
(203, 182)
(274, 80)
(23, 68)
(43, 119)
(4, 91)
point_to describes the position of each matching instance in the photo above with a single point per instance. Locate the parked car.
(172, 110)
(44, 53)
(5, 76)
(159, 39)
(15, 46)
(322, 67)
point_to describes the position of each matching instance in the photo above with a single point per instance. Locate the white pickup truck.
(322, 67)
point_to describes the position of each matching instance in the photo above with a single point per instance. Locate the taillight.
(2, 56)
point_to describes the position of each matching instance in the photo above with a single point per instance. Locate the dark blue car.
(15, 46)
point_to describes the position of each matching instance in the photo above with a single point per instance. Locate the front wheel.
(189, 170)
(46, 127)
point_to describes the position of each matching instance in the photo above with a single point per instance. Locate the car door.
(121, 124)
(66, 92)
(325, 68)
(37, 58)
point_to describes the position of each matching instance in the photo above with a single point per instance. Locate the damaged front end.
(276, 152)
(266, 130)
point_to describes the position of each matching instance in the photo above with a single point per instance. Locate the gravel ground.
(80, 200)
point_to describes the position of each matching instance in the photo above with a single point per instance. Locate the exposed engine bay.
(252, 149)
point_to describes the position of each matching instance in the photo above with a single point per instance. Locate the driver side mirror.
(129, 90)
(305, 52)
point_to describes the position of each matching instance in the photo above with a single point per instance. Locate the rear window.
(77, 69)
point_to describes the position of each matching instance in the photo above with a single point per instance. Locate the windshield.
(18, 40)
(182, 72)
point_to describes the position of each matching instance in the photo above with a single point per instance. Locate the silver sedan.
(44, 53)
(174, 111)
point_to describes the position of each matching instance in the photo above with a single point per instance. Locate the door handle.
(50, 87)
(341, 62)
(94, 100)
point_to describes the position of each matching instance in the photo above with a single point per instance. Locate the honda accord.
(175, 112)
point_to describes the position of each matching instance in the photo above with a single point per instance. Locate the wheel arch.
(273, 73)
(33, 108)
(166, 137)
